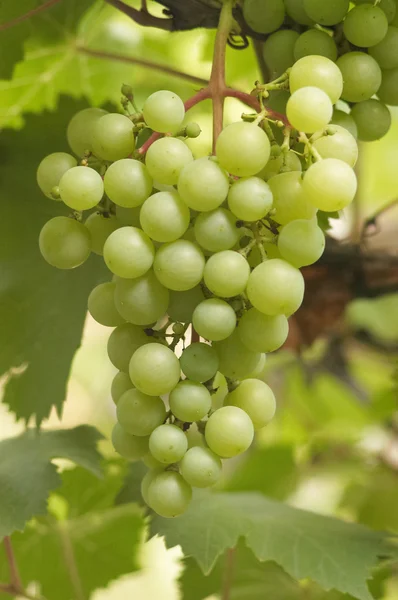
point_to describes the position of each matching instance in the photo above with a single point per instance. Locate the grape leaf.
(334, 554)
(42, 309)
(12, 40)
(27, 475)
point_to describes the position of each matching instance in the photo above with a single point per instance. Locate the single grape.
(165, 217)
(278, 51)
(387, 6)
(285, 162)
(229, 431)
(388, 91)
(149, 477)
(151, 462)
(235, 360)
(226, 273)
(326, 13)
(264, 16)
(122, 344)
(81, 188)
(164, 111)
(203, 185)
(168, 444)
(276, 288)
(65, 243)
(128, 216)
(216, 230)
(201, 467)
(214, 319)
(361, 75)
(301, 242)
(250, 199)
(166, 158)
(80, 130)
(290, 201)
(337, 142)
(113, 137)
(182, 304)
(100, 228)
(295, 9)
(139, 414)
(263, 333)
(179, 328)
(142, 300)
(330, 184)
(101, 305)
(309, 109)
(127, 183)
(199, 362)
(51, 169)
(120, 384)
(365, 25)
(317, 71)
(243, 149)
(386, 51)
(345, 120)
(128, 252)
(315, 42)
(190, 401)
(372, 118)
(154, 369)
(169, 495)
(179, 265)
(257, 400)
(259, 370)
(129, 446)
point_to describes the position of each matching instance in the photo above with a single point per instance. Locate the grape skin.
(330, 184)
(166, 158)
(203, 185)
(65, 243)
(309, 109)
(123, 342)
(199, 362)
(164, 217)
(100, 228)
(243, 149)
(200, 467)
(179, 265)
(81, 188)
(129, 252)
(138, 413)
(51, 169)
(128, 183)
(214, 319)
(142, 300)
(217, 273)
(101, 305)
(168, 444)
(120, 384)
(256, 398)
(275, 287)
(129, 446)
(229, 431)
(164, 111)
(154, 369)
(169, 494)
(190, 401)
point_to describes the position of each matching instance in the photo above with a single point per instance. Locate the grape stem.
(228, 574)
(15, 587)
(28, 15)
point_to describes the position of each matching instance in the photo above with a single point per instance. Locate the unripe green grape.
(166, 158)
(337, 142)
(386, 51)
(182, 304)
(235, 360)
(203, 185)
(345, 120)
(151, 462)
(330, 184)
(129, 446)
(387, 6)
(285, 162)
(122, 344)
(51, 169)
(388, 91)
(361, 75)
(128, 183)
(192, 130)
(164, 111)
(226, 273)
(243, 149)
(199, 362)
(113, 137)
(290, 201)
(100, 228)
(263, 333)
(139, 414)
(309, 109)
(201, 467)
(301, 242)
(365, 25)
(216, 230)
(65, 243)
(128, 252)
(372, 118)
(168, 444)
(257, 400)
(315, 42)
(317, 71)
(190, 401)
(120, 384)
(264, 16)
(80, 129)
(101, 305)
(154, 369)
(229, 431)
(179, 265)
(326, 13)
(295, 9)
(179, 328)
(214, 319)
(169, 495)
(278, 51)
(258, 371)
(148, 478)
(276, 288)
(164, 217)
(250, 199)
(143, 300)
(81, 188)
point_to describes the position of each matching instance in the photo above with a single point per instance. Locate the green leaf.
(131, 490)
(27, 474)
(12, 39)
(42, 309)
(334, 554)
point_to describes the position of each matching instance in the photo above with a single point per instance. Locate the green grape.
(154, 369)
(276, 288)
(101, 305)
(51, 169)
(168, 444)
(142, 300)
(387, 6)
(120, 384)
(182, 304)
(190, 401)
(149, 477)
(345, 120)
(179, 265)
(113, 137)
(226, 273)
(100, 228)
(80, 129)
(216, 230)
(214, 319)
(122, 344)
(295, 9)
(128, 252)
(365, 25)
(166, 158)
(127, 183)
(81, 188)
(164, 111)
(290, 202)
(64, 243)
(258, 371)
(203, 185)
(278, 51)
(129, 446)
(236, 362)
(179, 328)
(330, 184)
(386, 51)
(128, 216)
(317, 71)
(309, 109)
(250, 199)
(257, 400)
(361, 75)
(151, 462)
(229, 431)
(263, 333)
(201, 467)
(165, 217)
(330, 12)
(169, 495)
(243, 149)
(337, 142)
(264, 16)
(285, 162)
(388, 91)
(140, 414)
(301, 242)
(372, 118)
(315, 42)
(199, 362)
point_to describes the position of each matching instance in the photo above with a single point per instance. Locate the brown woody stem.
(28, 15)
